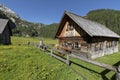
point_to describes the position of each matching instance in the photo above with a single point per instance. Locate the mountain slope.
(23, 27)
(48, 31)
(8, 11)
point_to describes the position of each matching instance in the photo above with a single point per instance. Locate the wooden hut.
(5, 31)
(85, 36)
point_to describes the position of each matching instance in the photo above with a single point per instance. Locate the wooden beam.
(118, 73)
(106, 66)
(61, 59)
(61, 51)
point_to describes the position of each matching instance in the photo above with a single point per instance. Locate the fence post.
(28, 42)
(51, 51)
(118, 73)
(68, 61)
(43, 48)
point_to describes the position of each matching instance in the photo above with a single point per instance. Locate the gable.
(3, 23)
(63, 30)
(5, 26)
(68, 30)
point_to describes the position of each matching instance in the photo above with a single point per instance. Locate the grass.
(21, 62)
(23, 40)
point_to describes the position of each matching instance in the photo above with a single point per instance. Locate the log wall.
(101, 46)
(5, 36)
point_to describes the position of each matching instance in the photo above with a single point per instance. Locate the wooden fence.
(66, 60)
(106, 66)
(68, 55)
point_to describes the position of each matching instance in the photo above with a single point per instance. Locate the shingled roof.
(91, 27)
(3, 23)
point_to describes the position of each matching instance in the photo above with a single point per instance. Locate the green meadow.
(22, 62)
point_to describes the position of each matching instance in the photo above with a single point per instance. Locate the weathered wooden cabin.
(76, 33)
(5, 31)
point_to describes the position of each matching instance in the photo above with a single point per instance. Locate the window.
(109, 44)
(72, 45)
(76, 45)
(64, 44)
(70, 27)
(114, 43)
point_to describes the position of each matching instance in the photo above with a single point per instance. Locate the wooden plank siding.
(6, 36)
(101, 46)
(5, 31)
(71, 42)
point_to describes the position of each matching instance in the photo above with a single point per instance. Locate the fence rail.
(68, 55)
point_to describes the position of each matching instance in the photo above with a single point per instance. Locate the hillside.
(23, 27)
(26, 28)
(107, 17)
(48, 31)
(7, 11)
(22, 62)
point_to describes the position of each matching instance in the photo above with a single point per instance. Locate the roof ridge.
(84, 18)
(73, 13)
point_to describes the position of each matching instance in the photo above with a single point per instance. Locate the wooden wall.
(76, 43)
(101, 46)
(66, 32)
(5, 36)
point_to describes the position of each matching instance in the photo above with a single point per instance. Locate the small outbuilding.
(5, 31)
(86, 37)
